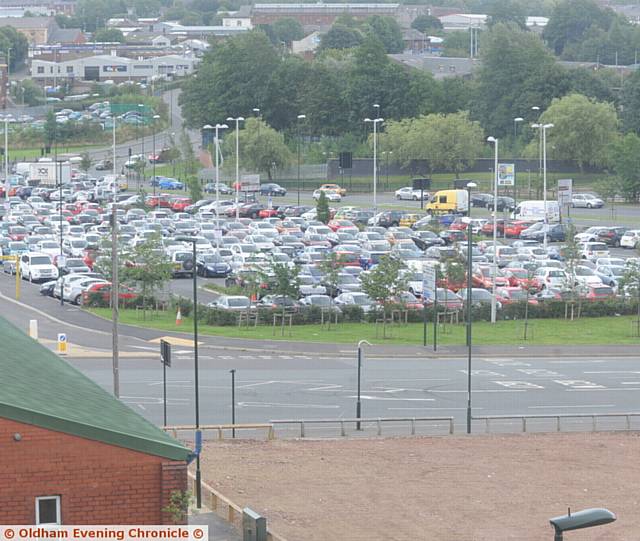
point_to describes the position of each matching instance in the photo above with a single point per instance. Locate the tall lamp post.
(536, 111)
(218, 127)
(516, 121)
(494, 265)
(237, 120)
(358, 403)
(193, 242)
(155, 158)
(300, 117)
(470, 186)
(144, 160)
(543, 137)
(375, 122)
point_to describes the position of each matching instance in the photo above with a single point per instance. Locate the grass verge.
(586, 331)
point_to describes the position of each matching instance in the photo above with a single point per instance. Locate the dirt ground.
(446, 488)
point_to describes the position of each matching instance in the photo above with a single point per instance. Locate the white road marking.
(613, 372)
(630, 383)
(184, 351)
(604, 389)
(507, 363)
(225, 357)
(576, 362)
(329, 387)
(276, 405)
(368, 397)
(483, 373)
(145, 348)
(540, 372)
(574, 406)
(519, 384)
(426, 408)
(475, 391)
(255, 384)
(578, 384)
(266, 357)
(154, 383)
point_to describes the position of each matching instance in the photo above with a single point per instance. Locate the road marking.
(613, 372)
(145, 348)
(225, 357)
(369, 397)
(475, 391)
(507, 362)
(266, 357)
(329, 387)
(630, 383)
(142, 407)
(255, 384)
(574, 406)
(483, 373)
(540, 372)
(277, 405)
(519, 384)
(576, 362)
(174, 341)
(578, 384)
(605, 389)
(431, 409)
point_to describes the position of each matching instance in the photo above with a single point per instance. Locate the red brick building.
(70, 453)
(317, 14)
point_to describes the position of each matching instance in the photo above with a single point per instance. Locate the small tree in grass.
(285, 283)
(195, 188)
(573, 259)
(384, 283)
(86, 162)
(630, 284)
(330, 269)
(149, 267)
(322, 208)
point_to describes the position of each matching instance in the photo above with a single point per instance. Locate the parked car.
(331, 196)
(273, 189)
(586, 200)
(409, 194)
(212, 266)
(36, 266)
(232, 303)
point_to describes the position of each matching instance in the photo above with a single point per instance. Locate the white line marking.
(255, 384)
(574, 406)
(605, 389)
(368, 397)
(613, 372)
(431, 409)
(276, 405)
(329, 387)
(142, 407)
(519, 384)
(576, 362)
(630, 383)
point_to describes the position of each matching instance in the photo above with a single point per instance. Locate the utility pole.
(114, 274)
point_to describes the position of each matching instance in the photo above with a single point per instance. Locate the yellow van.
(448, 201)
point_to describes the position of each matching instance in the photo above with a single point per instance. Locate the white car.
(49, 247)
(630, 239)
(72, 290)
(409, 194)
(586, 200)
(355, 299)
(590, 235)
(232, 303)
(585, 276)
(333, 197)
(593, 250)
(37, 266)
(308, 286)
(551, 278)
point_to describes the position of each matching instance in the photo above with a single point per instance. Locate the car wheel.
(415, 198)
(617, 244)
(589, 205)
(78, 300)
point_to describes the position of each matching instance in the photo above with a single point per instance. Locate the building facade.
(317, 15)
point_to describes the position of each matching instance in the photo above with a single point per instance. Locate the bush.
(353, 314)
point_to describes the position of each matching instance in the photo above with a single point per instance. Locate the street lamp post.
(375, 122)
(470, 186)
(543, 137)
(358, 403)
(516, 121)
(237, 120)
(494, 265)
(536, 111)
(155, 158)
(300, 117)
(233, 401)
(218, 127)
(144, 160)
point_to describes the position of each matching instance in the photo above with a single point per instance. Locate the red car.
(483, 278)
(342, 225)
(599, 293)
(17, 232)
(178, 204)
(510, 295)
(269, 213)
(487, 229)
(513, 229)
(104, 289)
(459, 225)
(521, 278)
(160, 201)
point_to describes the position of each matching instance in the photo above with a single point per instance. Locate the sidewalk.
(219, 529)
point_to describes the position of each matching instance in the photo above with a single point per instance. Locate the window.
(48, 510)
(443, 199)
(40, 69)
(69, 69)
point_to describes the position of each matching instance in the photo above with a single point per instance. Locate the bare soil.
(443, 488)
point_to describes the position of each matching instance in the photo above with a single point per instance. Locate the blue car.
(170, 184)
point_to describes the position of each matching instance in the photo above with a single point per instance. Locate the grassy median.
(585, 331)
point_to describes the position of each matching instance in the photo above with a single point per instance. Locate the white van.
(534, 210)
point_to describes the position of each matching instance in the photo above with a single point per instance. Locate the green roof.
(41, 389)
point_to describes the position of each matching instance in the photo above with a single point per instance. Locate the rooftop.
(42, 389)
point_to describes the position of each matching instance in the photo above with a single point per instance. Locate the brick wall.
(98, 483)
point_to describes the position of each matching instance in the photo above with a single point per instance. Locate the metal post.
(469, 284)
(494, 266)
(154, 158)
(358, 403)
(435, 314)
(195, 361)
(424, 320)
(164, 393)
(233, 401)
(544, 182)
(115, 287)
(144, 158)
(6, 162)
(375, 165)
(59, 182)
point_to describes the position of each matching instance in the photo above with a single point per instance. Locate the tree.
(109, 35)
(630, 285)
(50, 128)
(582, 130)
(340, 37)
(507, 11)
(322, 208)
(456, 44)
(449, 142)
(287, 30)
(570, 19)
(262, 148)
(427, 24)
(630, 103)
(384, 283)
(190, 162)
(11, 38)
(388, 31)
(625, 161)
(232, 79)
(330, 268)
(149, 267)
(91, 15)
(86, 162)
(195, 188)
(28, 92)
(285, 283)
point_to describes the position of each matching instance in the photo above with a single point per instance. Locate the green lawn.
(587, 331)
(25, 154)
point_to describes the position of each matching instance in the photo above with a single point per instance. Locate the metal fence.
(525, 422)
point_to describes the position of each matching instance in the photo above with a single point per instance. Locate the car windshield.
(213, 258)
(41, 260)
(602, 290)
(78, 243)
(249, 248)
(361, 300)
(584, 271)
(75, 263)
(238, 302)
(557, 274)
(320, 301)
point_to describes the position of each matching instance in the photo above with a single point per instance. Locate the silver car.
(586, 200)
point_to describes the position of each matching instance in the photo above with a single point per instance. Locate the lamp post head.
(547, 126)
(535, 108)
(491, 139)
(205, 127)
(363, 343)
(518, 119)
(301, 117)
(536, 125)
(471, 185)
(221, 126)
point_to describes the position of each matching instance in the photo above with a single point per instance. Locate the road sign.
(165, 353)
(565, 191)
(506, 174)
(62, 344)
(250, 183)
(428, 280)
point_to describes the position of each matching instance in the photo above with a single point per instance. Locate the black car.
(451, 236)
(504, 203)
(426, 239)
(612, 235)
(222, 188)
(296, 211)
(481, 199)
(273, 189)
(390, 218)
(251, 210)
(212, 266)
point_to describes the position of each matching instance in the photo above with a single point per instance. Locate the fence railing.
(173, 430)
(379, 421)
(224, 507)
(524, 419)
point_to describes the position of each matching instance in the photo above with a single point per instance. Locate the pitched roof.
(41, 389)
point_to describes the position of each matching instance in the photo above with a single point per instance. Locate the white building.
(111, 67)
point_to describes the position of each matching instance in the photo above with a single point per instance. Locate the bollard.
(33, 328)
(62, 344)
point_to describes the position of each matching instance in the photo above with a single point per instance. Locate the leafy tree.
(50, 128)
(630, 284)
(516, 72)
(262, 148)
(426, 24)
(507, 11)
(195, 188)
(109, 35)
(582, 129)
(29, 92)
(340, 37)
(572, 258)
(190, 162)
(456, 44)
(385, 282)
(287, 30)
(149, 267)
(285, 283)
(94, 14)
(232, 79)
(449, 142)
(625, 161)
(630, 103)
(322, 208)
(86, 162)
(388, 31)
(570, 20)
(330, 268)
(11, 38)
